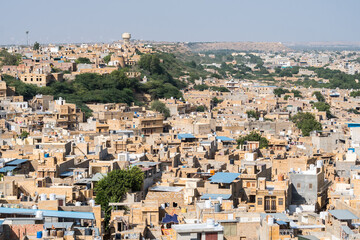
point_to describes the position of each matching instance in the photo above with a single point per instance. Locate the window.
(298, 185)
(280, 201)
(259, 201)
(310, 186)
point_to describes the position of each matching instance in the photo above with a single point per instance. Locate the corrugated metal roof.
(16, 162)
(7, 169)
(185, 135)
(207, 196)
(48, 213)
(343, 214)
(224, 177)
(347, 230)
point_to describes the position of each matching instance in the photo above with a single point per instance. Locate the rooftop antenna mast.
(27, 38)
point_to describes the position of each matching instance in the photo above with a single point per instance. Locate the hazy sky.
(175, 20)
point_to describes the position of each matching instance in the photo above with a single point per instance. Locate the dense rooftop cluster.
(123, 141)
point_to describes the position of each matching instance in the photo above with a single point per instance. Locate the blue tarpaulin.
(170, 219)
(224, 177)
(207, 196)
(224, 139)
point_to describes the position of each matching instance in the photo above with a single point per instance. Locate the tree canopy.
(83, 60)
(107, 58)
(161, 108)
(355, 94)
(161, 82)
(319, 96)
(86, 88)
(202, 87)
(253, 136)
(253, 114)
(113, 187)
(306, 122)
(7, 58)
(36, 46)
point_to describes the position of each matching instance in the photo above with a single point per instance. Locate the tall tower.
(126, 37)
(27, 38)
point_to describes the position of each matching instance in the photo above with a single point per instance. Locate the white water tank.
(92, 203)
(43, 197)
(319, 163)
(270, 220)
(78, 204)
(52, 196)
(34, 207)
(312, 166)
(207, 204)
(39, 214)
(351, 192)
(220, 199)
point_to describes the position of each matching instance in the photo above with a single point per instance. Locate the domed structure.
(126, 37)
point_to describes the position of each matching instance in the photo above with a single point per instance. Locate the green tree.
(306, 122)
(355, 94)
(191, 64)
(83, 60)
(216, 101)
(36, 46)
(24, 134)
(296, 93)
(280, 91)
(352, 110)
(200, 108)
(107, 58)
(253, 114)
(319, 96)
(323, 107)
(161, 108)
(113, 187)
(7, 58)
(201, 87)
(253, 136)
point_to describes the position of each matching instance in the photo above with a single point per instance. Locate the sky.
(74, 21)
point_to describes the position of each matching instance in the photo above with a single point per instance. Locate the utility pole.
(27, 38)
